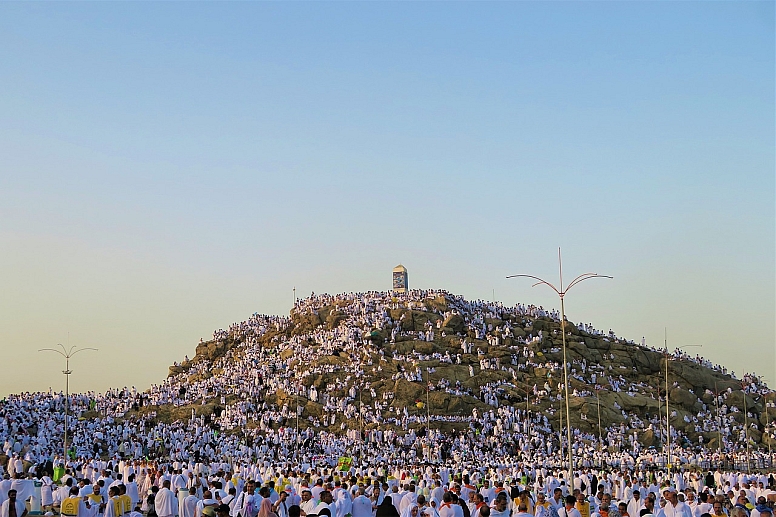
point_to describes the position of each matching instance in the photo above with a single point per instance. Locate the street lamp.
(598, 402)
(67, 354)
(719, 420)
(561, 292)
(746, 429)
(768, 428)
(296, 410)
(428, 404)
(668, 409)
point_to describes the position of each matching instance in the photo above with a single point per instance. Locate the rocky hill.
(404, 357)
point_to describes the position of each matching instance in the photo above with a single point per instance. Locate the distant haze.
(167, 169)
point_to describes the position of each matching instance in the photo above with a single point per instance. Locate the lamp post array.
(668, 408)
(561, 292)
(67, 353)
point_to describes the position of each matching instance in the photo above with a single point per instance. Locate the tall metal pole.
(767, 428)
(598, 400)
(67, 354)
(719, 420)
(67, 373)
(566, 385)
(560, 436)
(360, 410)
(562, 294)
(660, 412)
(668, 411)
(428, 405)
(746, 432)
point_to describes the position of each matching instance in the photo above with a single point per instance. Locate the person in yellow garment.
(542, 505)
(126, 501)
(112, 505)
(96, 498)
(74, 506)
(582, 506)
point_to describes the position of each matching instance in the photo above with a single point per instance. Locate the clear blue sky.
(169, 168)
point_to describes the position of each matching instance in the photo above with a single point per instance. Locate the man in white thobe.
(166, 503)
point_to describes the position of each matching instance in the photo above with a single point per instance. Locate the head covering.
(265, 510)
(407, 512)
(386, 508)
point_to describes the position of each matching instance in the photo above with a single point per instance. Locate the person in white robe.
(362, 505)
(166, 503)
(46, 492)
(189, 507)
(13, 507)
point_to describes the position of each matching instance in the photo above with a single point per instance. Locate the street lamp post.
(660, 411)
(746, 430)
(428, 404)
(668, 409)
(767, 428)
(561, 292)
(296, 409)
(598, 401)
(560, 437)
(67, 354)
(719, 420)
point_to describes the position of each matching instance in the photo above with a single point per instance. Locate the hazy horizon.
(167, 169)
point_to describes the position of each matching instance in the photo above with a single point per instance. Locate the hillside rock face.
(481, 356)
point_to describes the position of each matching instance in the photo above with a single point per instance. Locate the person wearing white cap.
(308, 503)
(280, 507)
(674, 507)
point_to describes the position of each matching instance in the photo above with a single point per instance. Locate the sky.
(167, 169)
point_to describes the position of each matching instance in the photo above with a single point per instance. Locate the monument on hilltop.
(400, 284)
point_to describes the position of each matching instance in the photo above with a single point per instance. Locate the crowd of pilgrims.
(137, 488)
(249, 427)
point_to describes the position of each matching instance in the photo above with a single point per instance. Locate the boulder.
(636, 402)
(646, 361)
(438, 304)
(407, 347)
(518, 332)
(494, 321)
(598, 344)
(736, 398)
(685, 399)
(454, 322)
(333, 319)
(304, 323)
(174, 370)
(406, 393)
(648, 438)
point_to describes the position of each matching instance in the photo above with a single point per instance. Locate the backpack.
(250, 509)
(151, 505)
